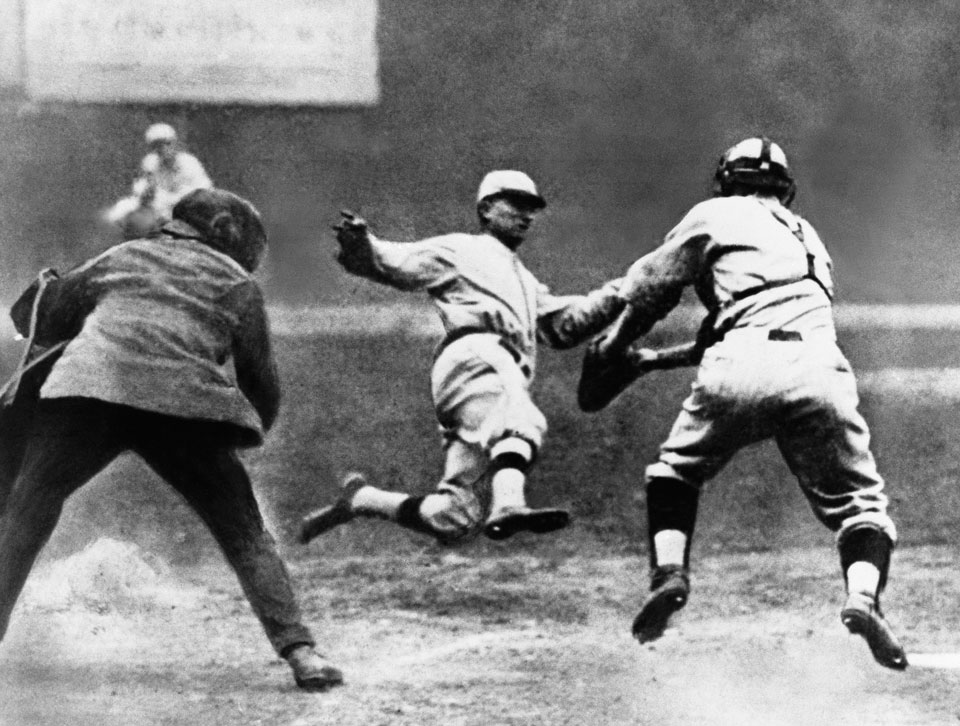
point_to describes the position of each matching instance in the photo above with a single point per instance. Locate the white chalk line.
(421, 319)
(947, 661)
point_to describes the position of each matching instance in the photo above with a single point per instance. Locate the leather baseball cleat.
(669, 589)
(311, 670)
(862, 616)
(510, 520)
(340, 512)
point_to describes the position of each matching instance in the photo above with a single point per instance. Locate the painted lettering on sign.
(307, 52)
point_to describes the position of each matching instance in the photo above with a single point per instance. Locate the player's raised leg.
(865, 560)
(828, 449)
(374, 503)
(360, 499)
(511, 457)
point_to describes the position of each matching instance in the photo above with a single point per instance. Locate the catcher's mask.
(228, 223)
(755, 165)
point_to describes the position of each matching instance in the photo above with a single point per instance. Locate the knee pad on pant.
(866, 544)
(671, 504)
(449, 524)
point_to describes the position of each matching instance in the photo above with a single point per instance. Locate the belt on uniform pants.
(501, 341)
(517, 356)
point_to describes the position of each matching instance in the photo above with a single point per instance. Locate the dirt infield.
(452, 638)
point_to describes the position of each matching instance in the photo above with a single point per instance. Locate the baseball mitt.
(602, 379)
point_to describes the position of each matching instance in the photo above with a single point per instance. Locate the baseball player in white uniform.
(167, 174)
(494, 312)
(769, 366)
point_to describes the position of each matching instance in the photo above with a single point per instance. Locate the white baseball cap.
(509, 182)
(160, 132)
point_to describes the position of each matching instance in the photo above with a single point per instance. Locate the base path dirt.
(115, 638)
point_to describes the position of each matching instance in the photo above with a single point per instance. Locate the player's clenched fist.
(354, 255)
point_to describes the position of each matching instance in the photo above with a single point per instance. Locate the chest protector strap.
(707, 335)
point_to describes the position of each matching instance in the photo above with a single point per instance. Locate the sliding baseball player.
(494, 312)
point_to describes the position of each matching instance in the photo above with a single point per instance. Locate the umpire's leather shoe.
(510, 520)
(861, 614)
(311, 670)
(340, 512)
(669, 589)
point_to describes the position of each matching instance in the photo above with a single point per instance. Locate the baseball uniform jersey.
(170, 182)
(494, 312)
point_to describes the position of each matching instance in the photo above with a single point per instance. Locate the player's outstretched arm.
(662, 359)
(567, 321)
(637, 318)
(408, 266)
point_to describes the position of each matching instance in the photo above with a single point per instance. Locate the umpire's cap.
(228, 223)
(510, 183)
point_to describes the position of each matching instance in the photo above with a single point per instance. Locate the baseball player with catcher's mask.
(494, 312)
(769, 366)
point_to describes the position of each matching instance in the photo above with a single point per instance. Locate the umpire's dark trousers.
(72, 439)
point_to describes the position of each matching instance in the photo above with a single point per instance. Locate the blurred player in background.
(769, 366)
(164, 351)
(494, 312)
(167, 173)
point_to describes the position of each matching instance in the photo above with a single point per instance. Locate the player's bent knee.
(663, 470)
(878, 521)
(452, 520)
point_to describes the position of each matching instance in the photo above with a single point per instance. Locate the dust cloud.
(107, 576)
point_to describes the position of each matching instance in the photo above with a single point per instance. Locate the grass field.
(356, 401)
(531, 631)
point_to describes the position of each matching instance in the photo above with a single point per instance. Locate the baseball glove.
(355, 254)
(602, 379)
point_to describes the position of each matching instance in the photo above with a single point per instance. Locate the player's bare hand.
(354, 253)
(350, 223)
(642, 359)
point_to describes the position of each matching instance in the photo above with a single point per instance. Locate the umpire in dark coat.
(166, 353)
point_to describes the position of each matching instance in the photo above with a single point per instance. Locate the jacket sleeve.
(24, 311)
(566, 321)
(52, 309)
(253, 356)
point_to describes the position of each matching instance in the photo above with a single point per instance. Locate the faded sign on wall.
(299, 52)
